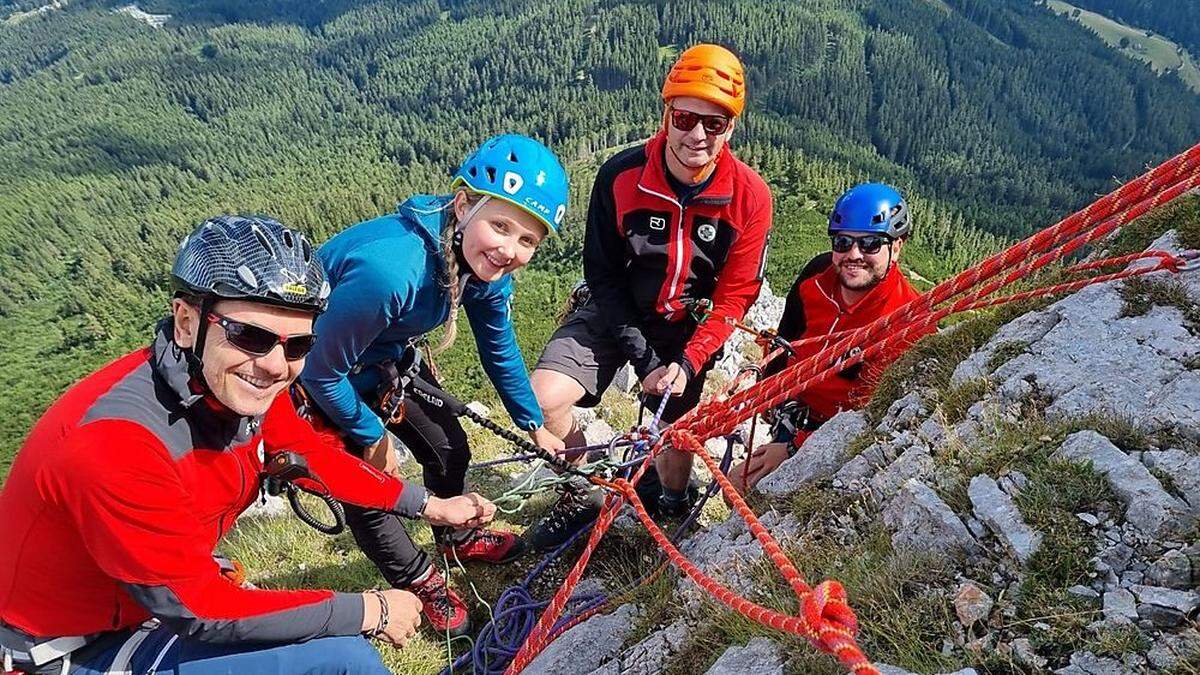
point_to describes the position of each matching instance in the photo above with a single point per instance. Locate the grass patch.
(903, 618)
(1181, 215)
(1141, 294)
(1116, 641)
(957, 400)
(1004, 352)
(1159, 52)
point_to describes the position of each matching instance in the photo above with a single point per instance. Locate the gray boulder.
(997, 510)
(1149, 507)
(1182, 467)
(923, 523)
(914, 462)
(820, 457)
(586, 646)
(1087, 663)
(760, 656)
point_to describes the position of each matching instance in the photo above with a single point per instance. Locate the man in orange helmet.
(675, 220)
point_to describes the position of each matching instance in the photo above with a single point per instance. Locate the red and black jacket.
(120, 493)
(645, 252)
(814, 307)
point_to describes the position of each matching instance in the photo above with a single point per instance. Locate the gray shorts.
(583, 349)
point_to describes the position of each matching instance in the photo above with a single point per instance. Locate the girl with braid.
(399, 276)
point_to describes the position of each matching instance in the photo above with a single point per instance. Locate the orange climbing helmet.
(709, 72)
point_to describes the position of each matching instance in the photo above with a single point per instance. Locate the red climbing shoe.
(490, 546)
(443, 609)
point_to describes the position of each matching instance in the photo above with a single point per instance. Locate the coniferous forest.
(118, 136)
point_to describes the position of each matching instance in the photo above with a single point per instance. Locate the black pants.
(439, 443)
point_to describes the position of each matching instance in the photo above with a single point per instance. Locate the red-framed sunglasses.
(260, 341)
(686, 120)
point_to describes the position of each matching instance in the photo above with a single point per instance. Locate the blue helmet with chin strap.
(521, 171)
(871, 207)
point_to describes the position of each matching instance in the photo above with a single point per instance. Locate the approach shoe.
(444, 610)
(574, 510)
(489, 546)
(667, 508)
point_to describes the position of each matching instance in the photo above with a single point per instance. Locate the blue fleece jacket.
(386, 275)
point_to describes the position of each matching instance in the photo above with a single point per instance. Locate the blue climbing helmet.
(871, 207)
(520, 171)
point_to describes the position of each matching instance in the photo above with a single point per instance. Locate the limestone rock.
(586, 646)
(821, 455)
(924, 523)
(1087, 663)
(1172, 570)
(1155, 388)
(1165, 607)
(997, 510)
(652, 655)
(914, 462)
(972, 604)
(759, 656)
(1184, 470)
(1119, 606)
(1148, 507)
(1172, 648)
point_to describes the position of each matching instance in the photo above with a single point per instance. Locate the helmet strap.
(462, 222)
(195, 355)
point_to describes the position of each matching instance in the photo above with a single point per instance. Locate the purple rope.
(515, 612)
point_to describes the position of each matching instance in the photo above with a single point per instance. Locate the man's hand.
(669, 379)
(762, 461)
(542, 437)
(464, 511)
(404, 615)
(382, 454)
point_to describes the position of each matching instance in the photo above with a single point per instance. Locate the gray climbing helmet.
(251, 258)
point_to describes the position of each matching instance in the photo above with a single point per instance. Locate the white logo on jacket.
(658, 223)
(707, 232)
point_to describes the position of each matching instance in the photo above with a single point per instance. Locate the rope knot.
(826, 611)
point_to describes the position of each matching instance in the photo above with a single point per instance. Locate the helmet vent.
(512, 157)
(473, 171)
(287, 239)
(247, 276)
(491, 174)
(262, 239)
(307, 250)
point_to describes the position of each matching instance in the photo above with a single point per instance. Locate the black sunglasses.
(260, 341)
(868, 244)
(686, 120)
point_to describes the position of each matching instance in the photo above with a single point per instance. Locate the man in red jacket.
(120, 493)
(674, 220)
(855, 284)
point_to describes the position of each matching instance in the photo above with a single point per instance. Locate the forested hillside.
(116, 137)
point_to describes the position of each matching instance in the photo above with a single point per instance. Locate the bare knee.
(556, 394)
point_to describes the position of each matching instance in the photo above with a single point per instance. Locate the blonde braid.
(451, 281)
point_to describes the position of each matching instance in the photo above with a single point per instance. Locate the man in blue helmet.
(851, 286)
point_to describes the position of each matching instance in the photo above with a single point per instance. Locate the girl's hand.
(542, 437)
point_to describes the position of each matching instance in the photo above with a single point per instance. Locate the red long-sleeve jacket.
(645, 252)
(119, 495)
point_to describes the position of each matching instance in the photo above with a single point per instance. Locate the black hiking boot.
(574, 510)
